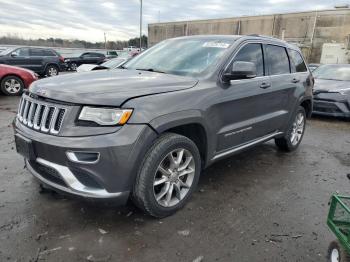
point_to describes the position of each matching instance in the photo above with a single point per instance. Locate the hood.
(16, 68)
(85, 67)
(324, 85)
(108, 87)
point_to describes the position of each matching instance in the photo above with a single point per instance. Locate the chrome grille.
(41, 116)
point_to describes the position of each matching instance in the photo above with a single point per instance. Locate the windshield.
(7, 51)
(113, 63)
(181, 56)
(333, 72)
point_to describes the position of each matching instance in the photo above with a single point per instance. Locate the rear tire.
(295, 133)
(168, 175)
(51, 70)
(12, 86)
(336, 253)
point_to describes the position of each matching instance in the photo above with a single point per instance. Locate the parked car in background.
(110, 64)
(170, 111)
(111, 54)
(312, 67)
(332, 90)
(43, 61)
(13, 80)
(85, 58)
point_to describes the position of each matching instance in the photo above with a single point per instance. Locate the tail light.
(61, 58)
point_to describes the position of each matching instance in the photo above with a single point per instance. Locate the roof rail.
(267, 37)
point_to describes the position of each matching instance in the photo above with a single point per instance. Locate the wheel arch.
(12, 74)
(306, 103)
(187, 123)
(52, 64)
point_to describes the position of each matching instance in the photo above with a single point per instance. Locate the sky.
(119, 19)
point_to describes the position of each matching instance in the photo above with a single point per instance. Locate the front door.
(253, 108)
(19, 57)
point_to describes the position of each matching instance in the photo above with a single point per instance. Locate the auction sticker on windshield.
(216, 44)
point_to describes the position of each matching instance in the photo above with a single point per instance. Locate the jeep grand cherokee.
(146, 131)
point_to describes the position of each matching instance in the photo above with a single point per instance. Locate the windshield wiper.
(150, 70)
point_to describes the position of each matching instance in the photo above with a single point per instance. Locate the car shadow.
(228, 171)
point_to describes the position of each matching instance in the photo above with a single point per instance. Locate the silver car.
(332, 90)
(110, 64)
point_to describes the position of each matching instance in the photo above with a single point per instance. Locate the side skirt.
(246, 145)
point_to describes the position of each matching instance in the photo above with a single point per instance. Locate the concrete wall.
(307, 29)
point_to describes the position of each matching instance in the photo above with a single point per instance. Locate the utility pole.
(140, 25)
(104, 33)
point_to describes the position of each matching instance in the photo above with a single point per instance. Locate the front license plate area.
(24, 147)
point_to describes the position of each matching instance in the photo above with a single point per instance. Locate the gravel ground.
(261, 205)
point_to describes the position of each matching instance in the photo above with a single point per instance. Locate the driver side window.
(252, 53)
(21, 52)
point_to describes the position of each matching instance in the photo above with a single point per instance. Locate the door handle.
(265, 85)
(295, 80)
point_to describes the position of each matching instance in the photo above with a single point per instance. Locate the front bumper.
(332, 104)
(331, 108)
(112, 175)
(69, 183)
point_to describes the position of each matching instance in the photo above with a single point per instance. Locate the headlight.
(105, 116)
(344, 91)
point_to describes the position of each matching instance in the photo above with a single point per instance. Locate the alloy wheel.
(297, 129)
(174, 177)
(12, 86)
(52, 71)
(73, 66)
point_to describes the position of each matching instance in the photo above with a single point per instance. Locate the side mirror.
(240, 70)
(14, 54)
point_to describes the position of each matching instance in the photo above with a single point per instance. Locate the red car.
(15, 79)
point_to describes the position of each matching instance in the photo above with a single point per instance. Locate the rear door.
(37, 57)
(283, 83)
(96, 58)
(299, 70)
(87, 58)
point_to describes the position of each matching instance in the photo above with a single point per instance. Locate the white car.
(110, 64)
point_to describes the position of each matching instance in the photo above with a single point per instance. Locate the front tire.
(73, 66)
(168, 175)
(12, 86)
(295, 133)
(336, 253)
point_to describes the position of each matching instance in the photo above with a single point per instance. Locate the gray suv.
(43, 61)
(145, 131)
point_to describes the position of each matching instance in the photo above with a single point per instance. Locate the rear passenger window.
(297, 61)
(278, 60)
(252, 53)
(36, 52)
(48, 53)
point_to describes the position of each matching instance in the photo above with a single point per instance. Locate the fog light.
(83, 157)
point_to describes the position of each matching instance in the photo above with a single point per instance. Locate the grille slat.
(30, 114)
(25, 113)
(22, 109)
(47, 118)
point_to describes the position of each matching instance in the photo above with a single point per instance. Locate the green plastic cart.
(339, 222)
